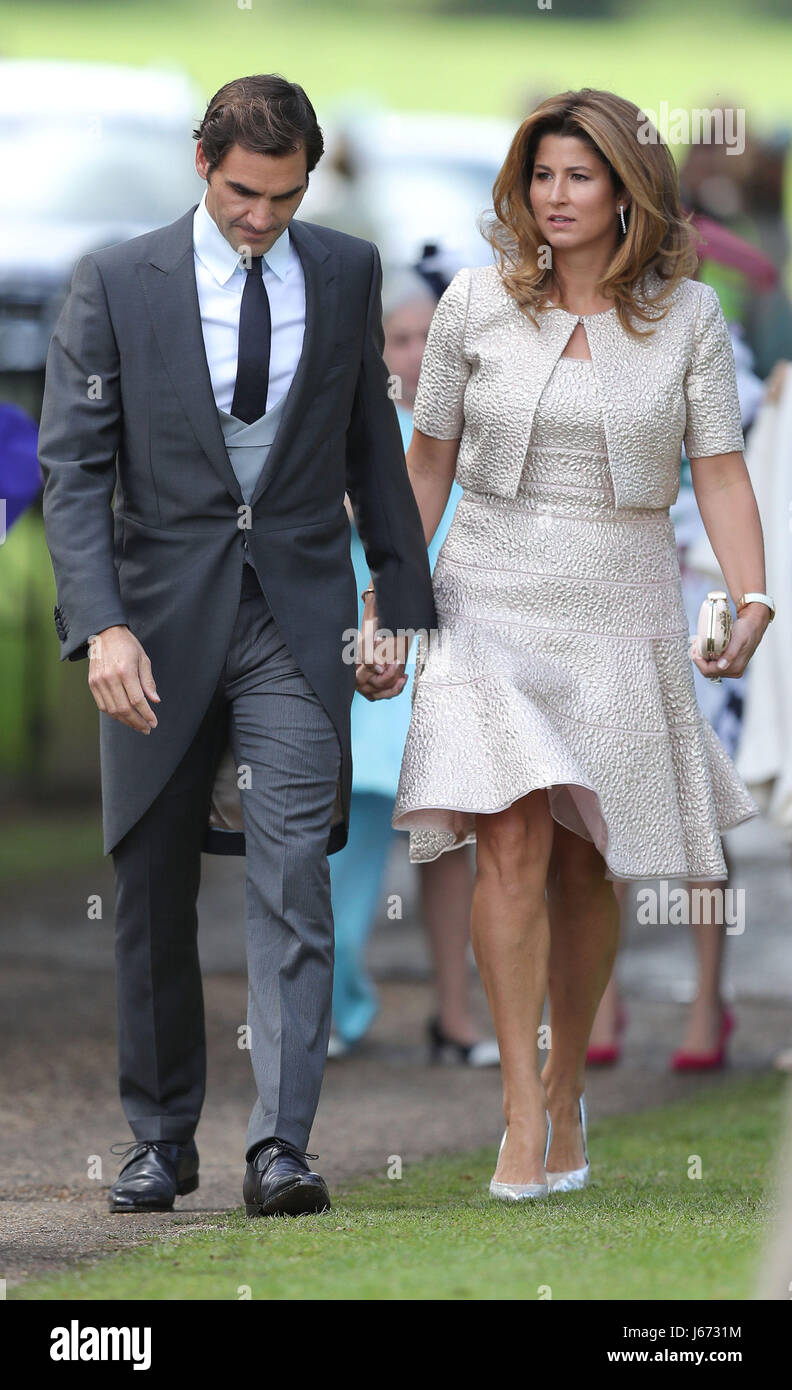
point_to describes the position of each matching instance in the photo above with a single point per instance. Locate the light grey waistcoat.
(249, 445)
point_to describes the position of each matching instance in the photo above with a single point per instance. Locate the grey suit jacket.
(142, 506)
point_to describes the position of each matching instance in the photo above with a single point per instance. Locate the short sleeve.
(438, 408)
(714, 422)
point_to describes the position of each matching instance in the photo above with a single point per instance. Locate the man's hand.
(381, 676)
(120, 678)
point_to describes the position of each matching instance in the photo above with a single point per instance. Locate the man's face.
(252, 197)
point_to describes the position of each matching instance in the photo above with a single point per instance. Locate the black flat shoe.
(278, 1182)
(443, 1049)
(156, 1173)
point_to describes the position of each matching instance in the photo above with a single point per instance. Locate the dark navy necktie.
(253, 351)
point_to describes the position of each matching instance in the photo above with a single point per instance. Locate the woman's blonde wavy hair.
(659, 236)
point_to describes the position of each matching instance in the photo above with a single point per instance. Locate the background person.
(379, 729)
(710, 1022)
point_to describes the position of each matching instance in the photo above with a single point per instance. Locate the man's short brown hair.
(264, 114)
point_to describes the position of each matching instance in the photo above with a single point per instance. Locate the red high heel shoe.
(706, 1061)
(605, 1054)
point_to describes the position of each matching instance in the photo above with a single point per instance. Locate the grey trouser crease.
(287, 749)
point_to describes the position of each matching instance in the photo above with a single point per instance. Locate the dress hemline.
(611, 873)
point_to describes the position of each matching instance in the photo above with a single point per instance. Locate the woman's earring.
(621, 214)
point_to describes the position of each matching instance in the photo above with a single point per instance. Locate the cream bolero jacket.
(486, 365)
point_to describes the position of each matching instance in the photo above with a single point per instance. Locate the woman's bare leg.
(604, 1032)
(446, 887)
(704, 1019)
(510, 932)
(584, 937)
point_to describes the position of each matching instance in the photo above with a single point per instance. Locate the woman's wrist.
(753, 597)
(757, 613)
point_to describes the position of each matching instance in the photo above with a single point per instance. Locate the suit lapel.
(171, 295)
(168, 280)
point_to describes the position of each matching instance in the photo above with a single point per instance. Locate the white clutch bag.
(714, 625)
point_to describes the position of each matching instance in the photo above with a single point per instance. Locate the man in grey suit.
(212, 390)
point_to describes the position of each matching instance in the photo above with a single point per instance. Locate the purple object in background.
(20, 476)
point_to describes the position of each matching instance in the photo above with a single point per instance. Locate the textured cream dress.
(561, 658)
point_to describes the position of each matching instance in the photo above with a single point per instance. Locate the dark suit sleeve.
(386, 512)
(78, 440)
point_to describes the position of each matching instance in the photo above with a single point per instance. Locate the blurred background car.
(408, 179)
(92, 154)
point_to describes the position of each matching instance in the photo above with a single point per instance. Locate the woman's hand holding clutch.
(746, 633)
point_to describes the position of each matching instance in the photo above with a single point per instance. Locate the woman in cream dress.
(554, 720)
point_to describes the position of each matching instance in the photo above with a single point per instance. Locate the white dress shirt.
(220, 279)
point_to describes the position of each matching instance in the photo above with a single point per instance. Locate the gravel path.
(60, 1102)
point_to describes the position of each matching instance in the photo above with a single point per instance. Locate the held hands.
(747, 632)
(380, 671)
(120, 678)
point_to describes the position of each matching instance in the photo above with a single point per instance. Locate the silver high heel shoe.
(516, 1192)
(574, 1178)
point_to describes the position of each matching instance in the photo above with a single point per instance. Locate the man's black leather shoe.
(278, 1182)
(156, 1173)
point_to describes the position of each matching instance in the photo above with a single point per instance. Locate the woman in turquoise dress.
(379, 730)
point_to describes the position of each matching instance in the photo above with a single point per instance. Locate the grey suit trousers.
(288, 754)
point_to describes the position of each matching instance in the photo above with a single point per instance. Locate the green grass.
(414, 59)
(63, 841)
(644, 1230)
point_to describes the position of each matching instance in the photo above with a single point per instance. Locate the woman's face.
(572, 195)
(406, 330)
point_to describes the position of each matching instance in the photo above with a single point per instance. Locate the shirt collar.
(219, 256)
